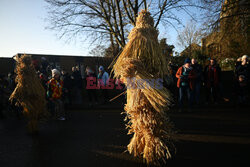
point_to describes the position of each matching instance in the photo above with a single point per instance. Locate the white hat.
(54, 72)
(244, 57)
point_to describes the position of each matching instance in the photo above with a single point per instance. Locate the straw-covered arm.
(133, 70)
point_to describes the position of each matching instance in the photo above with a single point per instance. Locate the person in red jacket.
(212, 75)
(185, 82)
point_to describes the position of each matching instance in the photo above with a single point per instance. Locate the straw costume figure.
(142, 60)
(29, 92)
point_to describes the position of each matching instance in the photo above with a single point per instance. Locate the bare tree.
(98, 51)
(167, 49)
(219, 11)
(110, 19)
(189, 36)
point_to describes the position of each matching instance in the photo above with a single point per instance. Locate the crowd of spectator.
(64, 89)
(191, 77)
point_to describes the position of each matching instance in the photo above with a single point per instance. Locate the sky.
(23, 30)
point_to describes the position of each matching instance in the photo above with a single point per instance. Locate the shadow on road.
(98, 138)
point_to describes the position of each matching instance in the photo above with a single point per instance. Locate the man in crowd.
(197, 81)
(67, 93)
(91, 90)
(212, 77)
(77, 85)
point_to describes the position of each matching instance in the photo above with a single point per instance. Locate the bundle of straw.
(142, 59)
(29, 92)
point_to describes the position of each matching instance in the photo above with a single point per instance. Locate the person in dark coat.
(67, 87)
(77, 84)
(91, 88)
(197, 81)
(243, 68)
(212, 79)
(241, 90)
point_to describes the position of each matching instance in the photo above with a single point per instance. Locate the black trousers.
(212, 91)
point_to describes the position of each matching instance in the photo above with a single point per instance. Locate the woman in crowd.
(185, 82)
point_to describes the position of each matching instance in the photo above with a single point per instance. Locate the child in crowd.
(54, 93)
(241, 89)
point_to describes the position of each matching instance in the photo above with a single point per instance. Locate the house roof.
(194, 47)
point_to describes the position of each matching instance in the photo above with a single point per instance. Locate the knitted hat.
(187, 60)
(101, 68)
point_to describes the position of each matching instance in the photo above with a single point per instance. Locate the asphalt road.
(209, 136)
